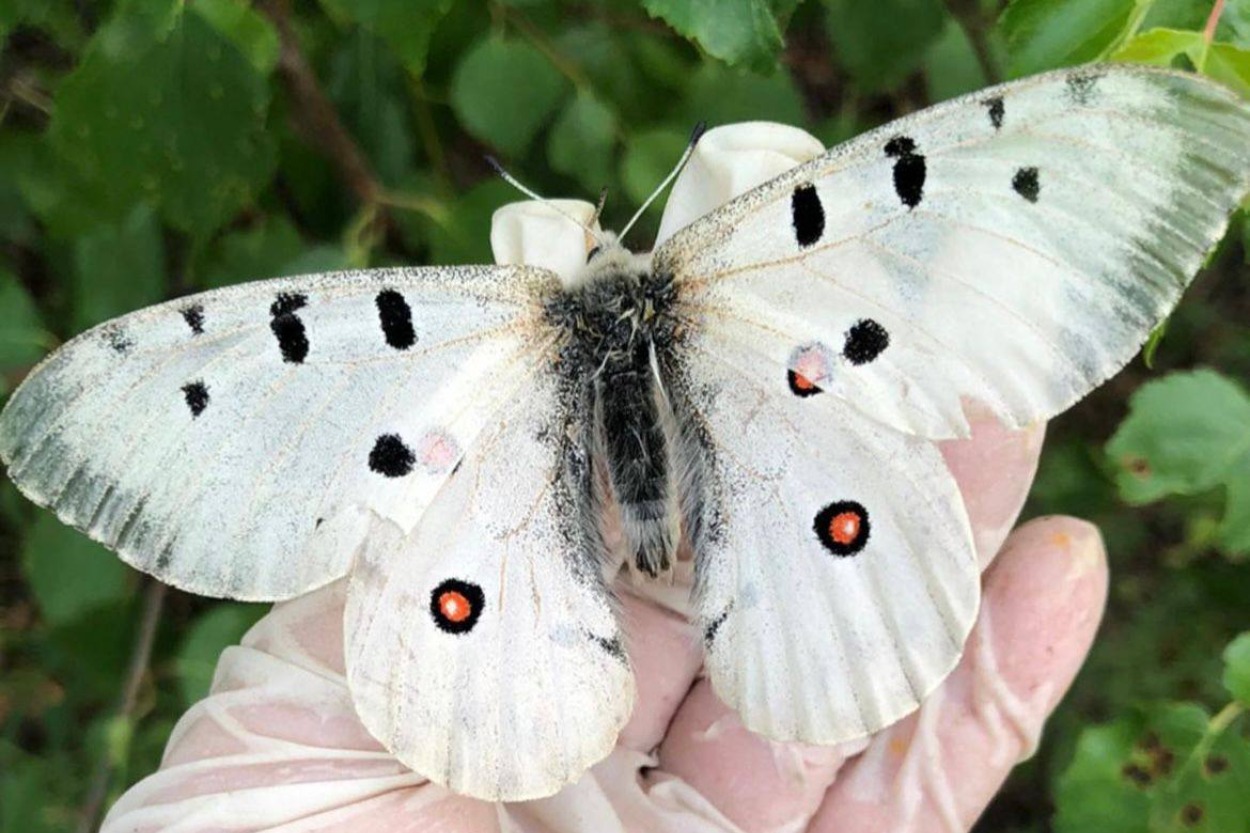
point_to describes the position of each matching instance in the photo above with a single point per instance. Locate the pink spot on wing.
(810, 367)
(437, 452)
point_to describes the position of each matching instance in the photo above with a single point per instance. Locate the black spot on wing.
(1026, 184)
(396, 318)
(287, 327)
(390, 457)
(288, 302)
(865, 341)
(807, 215)
(1082, 86)
(118, 339)
(909, 170)
(995, 108)
(194, 316)
(196, 395)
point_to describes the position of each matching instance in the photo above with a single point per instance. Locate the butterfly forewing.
(1015, 246)
(233, 443)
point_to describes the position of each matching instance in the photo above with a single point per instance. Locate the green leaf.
(616, 63)
(1237, 668)
(23, 339)
(247, 29)
(406, 26)
(1224, 62)
(1120, 770)
(268, 250)
(504, 92)
(1211, 791)
(1234, 23)
(881, 43)
(1094, 789)
(90, 653)
(58, 19)
(316, 259)
(69, 574)
(1159, 47)
(1045, 34)
(1229, 65)
(648, 159)
(739, 32)
(370, 92)
(951, 66)
(720, 95)
(174, 118)
(211, 633)
(461, 232)
(118, 269)
(31, 787)
(1185, 434)
(67, 200)
(582, 141)
(1175, 14)
(17, 149)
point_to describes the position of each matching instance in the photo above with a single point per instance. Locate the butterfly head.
(607, 258)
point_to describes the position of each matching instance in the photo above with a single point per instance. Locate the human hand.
(277, 744)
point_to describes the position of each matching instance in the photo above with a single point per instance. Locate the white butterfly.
(766, 386)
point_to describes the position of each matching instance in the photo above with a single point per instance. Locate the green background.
(151, 148)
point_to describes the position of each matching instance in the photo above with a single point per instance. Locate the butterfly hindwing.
(234, 443)
(1014, 246)
(482, 648)
(836, 576)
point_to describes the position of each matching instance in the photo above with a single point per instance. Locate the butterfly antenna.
(603, 200)
(699, 130)
(533, 195)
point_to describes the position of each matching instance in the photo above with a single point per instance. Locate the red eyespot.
(455, 605)
(843, 527)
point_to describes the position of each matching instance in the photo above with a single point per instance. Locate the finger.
(665, 658)
(763, 785)
(936, 770)
(756, 783)
(994, 469)
(278, 741)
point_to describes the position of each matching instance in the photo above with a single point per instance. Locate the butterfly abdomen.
(615, 323)
(636, 449)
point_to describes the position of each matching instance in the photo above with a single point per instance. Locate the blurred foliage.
(151, 148)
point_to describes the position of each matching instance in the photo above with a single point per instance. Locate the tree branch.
(153, 601)
(312, 113)
(967, 14)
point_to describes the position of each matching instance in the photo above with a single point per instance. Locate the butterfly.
(764, 388)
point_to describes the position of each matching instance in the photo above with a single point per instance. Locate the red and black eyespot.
(843, 527)
(809, 367)
(800, 385)
(455, 605)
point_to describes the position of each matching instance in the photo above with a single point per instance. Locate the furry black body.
(621, 331)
